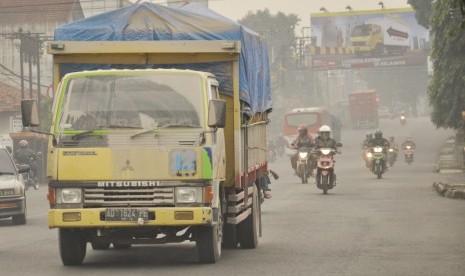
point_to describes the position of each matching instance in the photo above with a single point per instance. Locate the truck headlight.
(70, 195)
(189, 194)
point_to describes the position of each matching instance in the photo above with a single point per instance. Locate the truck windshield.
(133, 101)
(294, 120)
(362, 30)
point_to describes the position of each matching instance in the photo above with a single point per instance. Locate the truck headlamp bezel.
(69, 196)
(188, 195)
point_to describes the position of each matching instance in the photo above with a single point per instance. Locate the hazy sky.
(236, 9)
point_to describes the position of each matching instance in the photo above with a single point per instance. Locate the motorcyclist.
(379, 141)
(24, 155)
(393, 145)
(304, 139)
(402, 118)
(365, 148)
(408, 142)
(367, 140)
(324, 139)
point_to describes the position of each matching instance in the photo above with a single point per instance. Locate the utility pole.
(30, 48)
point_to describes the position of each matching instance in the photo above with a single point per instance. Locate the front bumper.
(12, 206)
(164, 216)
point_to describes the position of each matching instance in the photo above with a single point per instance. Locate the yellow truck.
(381, 35)
(152, 156)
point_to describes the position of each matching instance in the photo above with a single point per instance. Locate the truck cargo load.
(153, 22)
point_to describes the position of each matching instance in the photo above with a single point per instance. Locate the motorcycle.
(403, 120)
(367, 157)
(303, 171)
(378, 166)
(392, 157)
(28, 177)
(408, 154)
(325, 176)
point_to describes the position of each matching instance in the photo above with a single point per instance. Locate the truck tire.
(72, 246)
(208, 240)
(248, 229)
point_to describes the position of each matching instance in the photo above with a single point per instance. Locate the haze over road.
(394, 226)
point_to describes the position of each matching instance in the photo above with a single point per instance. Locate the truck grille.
(128, 196)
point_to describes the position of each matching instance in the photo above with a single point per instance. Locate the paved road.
(394, 226)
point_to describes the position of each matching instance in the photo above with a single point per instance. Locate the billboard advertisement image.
(372, 32)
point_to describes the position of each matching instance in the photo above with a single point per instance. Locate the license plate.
(126, 214)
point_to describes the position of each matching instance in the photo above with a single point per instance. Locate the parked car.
(12, 192)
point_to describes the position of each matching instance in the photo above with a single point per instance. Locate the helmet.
(325, 128)
(302, 127)
(23, 143)
(369, 135)
(324, 132)
(408, 138)
(391, 138)
(378, 134)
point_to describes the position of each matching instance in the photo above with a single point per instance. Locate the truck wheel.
(208, 240)
(72, 246)
(96, 245)
(248, 229)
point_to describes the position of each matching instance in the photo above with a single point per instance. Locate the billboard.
(369, 32)
(372, 38)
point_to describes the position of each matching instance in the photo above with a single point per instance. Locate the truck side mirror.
(217, 113)
(30, 113)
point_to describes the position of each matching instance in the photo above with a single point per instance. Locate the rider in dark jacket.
(304, 139)
(25, 155)
(379, 141)
(324, 139)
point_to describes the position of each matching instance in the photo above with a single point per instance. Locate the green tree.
(447, 87)
(423, 10)
(278, 30)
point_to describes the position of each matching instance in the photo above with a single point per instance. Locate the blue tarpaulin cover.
(147, 21)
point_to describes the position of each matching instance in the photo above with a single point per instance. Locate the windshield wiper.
(165, 126)
(81, 134)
